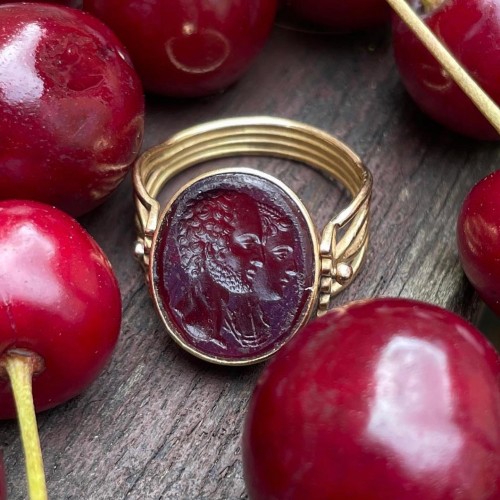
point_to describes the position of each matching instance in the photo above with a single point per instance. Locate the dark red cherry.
(478, 238)
(59, 300)
(71, 107)
(382, 399)
(471, 30)
(189, 47)
(341, 15)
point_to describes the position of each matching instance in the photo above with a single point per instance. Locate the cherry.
(59, 299)
(382, 399)
(71, 107)
(478, 238)
(470, 29)
(60, 314)
(189, 48)
(341, 15)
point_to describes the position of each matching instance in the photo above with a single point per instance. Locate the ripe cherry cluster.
(71, 123)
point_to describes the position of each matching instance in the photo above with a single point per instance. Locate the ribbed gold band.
(341, 256)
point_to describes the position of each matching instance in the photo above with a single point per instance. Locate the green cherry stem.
(475, 93)
(20, 367)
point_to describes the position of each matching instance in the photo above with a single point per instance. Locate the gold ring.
(234, 263)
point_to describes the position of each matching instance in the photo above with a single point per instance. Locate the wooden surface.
(161, 424)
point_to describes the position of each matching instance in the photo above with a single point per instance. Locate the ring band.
(234, 263)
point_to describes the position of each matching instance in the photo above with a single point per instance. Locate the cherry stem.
(475, 93)
(20, 369)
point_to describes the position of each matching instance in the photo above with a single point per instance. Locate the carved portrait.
(233, 268)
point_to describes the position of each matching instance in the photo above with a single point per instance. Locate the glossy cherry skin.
(59, 299)
(478, 239)
(341, 15)
(71, 107)
(188, 48)
(383, 399)
(471, 30)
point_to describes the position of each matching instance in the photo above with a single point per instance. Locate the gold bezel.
(310, 306)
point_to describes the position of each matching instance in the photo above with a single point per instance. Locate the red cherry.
(471, 30)
(189, 47)
(478, 238)
(341, 15)
(383, 399)
(71, 107)
(59, 299)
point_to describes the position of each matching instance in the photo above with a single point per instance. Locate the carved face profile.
(221, 241)
(236, 266)
(279, 243)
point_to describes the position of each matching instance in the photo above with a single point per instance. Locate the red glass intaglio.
(187, 48)
(71, 107)
(235, 264)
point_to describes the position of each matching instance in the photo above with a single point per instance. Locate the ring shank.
(275, 137)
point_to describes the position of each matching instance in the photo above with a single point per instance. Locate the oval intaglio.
(235, 266)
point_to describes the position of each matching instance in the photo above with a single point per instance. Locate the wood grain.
(160, 424)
